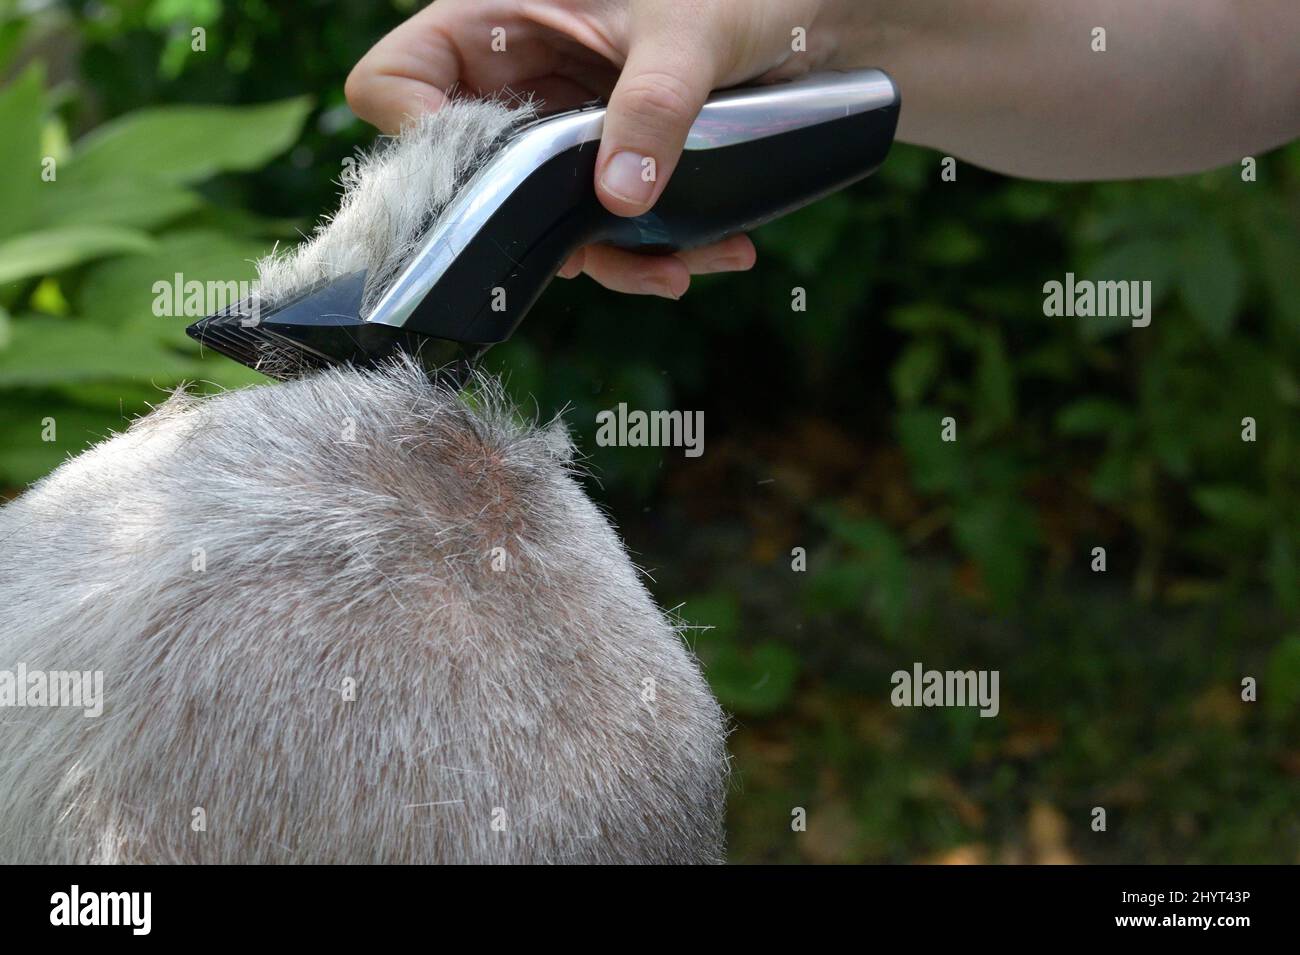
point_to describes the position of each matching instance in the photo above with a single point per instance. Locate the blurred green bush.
(90, 229)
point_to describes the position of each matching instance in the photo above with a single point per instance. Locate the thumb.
(657, 98)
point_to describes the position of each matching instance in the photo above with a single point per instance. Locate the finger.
(413, 69)
(621, 271)
(405, 74)
(572, 268)
(625, 273)
(736, 254)
(654, 103)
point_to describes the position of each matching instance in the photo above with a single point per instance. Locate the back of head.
(352, 618)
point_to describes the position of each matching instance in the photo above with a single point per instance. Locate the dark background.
(1118, 689)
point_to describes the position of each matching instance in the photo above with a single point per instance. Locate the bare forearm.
(1018, 86)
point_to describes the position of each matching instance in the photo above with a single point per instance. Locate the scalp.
(355, 528)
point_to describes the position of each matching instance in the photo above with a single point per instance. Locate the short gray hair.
(351, 618)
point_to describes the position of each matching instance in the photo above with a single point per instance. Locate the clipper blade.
(321, 328)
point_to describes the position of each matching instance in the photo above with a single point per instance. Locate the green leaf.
(122, 291)
(805, 239)
(41, 253)
(25, 455)
(51, 351)
(750, 681)
(188, 144)
(242, 224)
(932, 318)
(1095, 416)
(1277, 241)
(995, 387)
(1142, 260)
(47, 298)
(1138, 260)
(1280, 691)
(915, 370)
(883, 562)
(1210, 279)
(22, 113)
(1031, 201)
(139, 202)
(998, 532)
(937, 465)
(518, 365)
(1114, 478)
(1284, 571)
(1057, 360)
(719, 613)
(13, 34)
(951, 244)
(641, 385)
(909, 168)
(164, 15)
(1234, 506)
(839, 585)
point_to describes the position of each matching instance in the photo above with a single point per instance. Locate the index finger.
(407, 73)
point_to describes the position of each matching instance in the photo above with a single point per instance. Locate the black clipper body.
(754, 154)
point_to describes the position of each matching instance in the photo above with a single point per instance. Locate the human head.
(351, 618)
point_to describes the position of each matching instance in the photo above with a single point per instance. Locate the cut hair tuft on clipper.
(448, 236)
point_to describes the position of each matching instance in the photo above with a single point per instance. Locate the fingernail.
(725, 264)
(629, 176)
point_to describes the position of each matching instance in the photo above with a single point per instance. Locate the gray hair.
(391, 196)
(352, 618)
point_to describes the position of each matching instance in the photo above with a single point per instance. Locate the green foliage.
(88, 235)
(53, 250)
(188, 144)
(22, 114)
(750, 678)
(1281, 692)
(866, 573)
